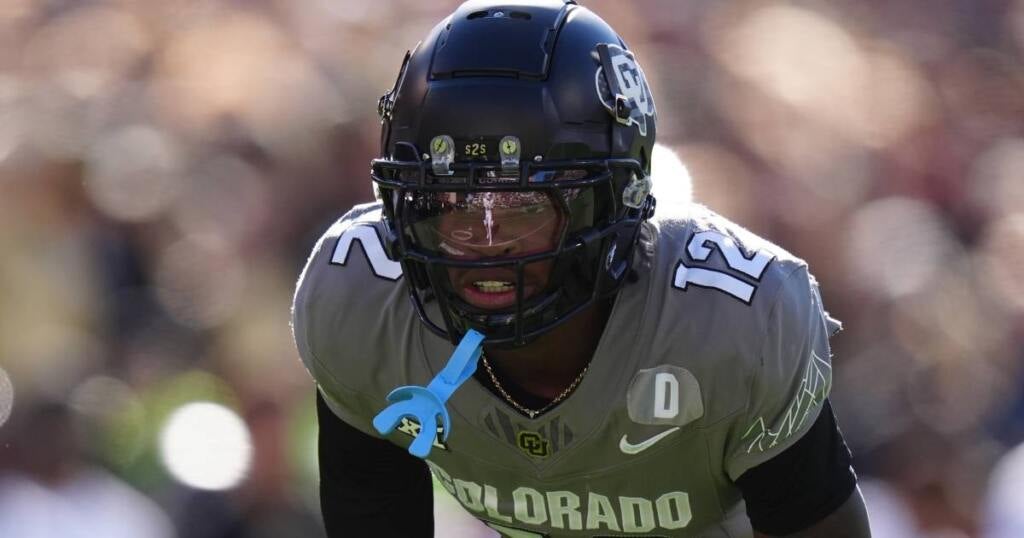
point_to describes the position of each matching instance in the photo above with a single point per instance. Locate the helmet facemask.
(514, 177)
(509, 254)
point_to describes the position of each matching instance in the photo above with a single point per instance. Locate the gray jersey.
(714, 361)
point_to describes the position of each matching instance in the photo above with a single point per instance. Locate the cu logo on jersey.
(622, 87)
(533, 444)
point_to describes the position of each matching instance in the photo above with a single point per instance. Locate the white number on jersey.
(700, 247)
(373, 247)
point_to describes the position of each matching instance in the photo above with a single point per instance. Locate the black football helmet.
(515, 146)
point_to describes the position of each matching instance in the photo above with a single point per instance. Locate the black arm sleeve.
(802, 485)
(368, 486)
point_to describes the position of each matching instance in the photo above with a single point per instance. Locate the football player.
(641, 373)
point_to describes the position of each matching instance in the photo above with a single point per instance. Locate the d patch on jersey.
(664, 396)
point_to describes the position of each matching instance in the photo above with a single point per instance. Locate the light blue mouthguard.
(426, 404)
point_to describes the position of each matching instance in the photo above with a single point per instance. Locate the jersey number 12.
(699, 249)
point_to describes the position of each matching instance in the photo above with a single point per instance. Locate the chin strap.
(426, 405)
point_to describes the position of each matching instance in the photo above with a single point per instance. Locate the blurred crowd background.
(165, 167)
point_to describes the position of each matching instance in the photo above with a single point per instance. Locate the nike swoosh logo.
(629, 448)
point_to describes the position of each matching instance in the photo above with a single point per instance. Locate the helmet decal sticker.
(624, 92)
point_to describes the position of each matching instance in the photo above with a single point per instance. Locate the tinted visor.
(486, 224)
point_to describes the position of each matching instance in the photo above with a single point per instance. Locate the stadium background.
(166, 166)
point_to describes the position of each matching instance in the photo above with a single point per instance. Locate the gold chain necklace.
(532, 413)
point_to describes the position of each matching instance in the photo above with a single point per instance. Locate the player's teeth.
(493, 286)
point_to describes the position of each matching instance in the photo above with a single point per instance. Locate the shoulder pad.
(347, 307)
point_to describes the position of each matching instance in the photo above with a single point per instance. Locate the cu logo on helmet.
(624, 92)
